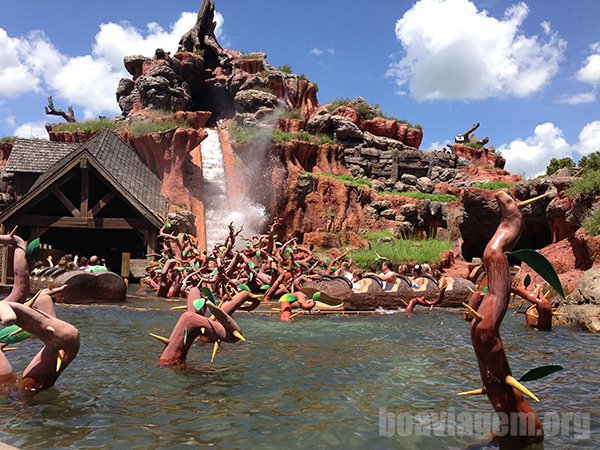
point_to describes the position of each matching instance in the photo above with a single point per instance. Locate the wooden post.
(85, 188)
(125, 257)
(150, 236)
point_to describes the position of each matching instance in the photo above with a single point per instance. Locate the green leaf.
(251, 265)
(258, 253)
(6, 339)
(527, 280)
(243, 287)
(251, 276)
(185, 336)
(199, 304)
(290, 298)
(289, 250)
(542, 267)
(278, 244)
(316, 295)
(208, 294)
(265, 287)
(540, 372)
(32, 249)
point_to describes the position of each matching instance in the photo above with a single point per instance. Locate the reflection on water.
(319, 382)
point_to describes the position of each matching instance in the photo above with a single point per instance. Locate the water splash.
(218, 211)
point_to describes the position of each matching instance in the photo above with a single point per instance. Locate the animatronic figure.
(192, 324)
(35, 317)
(505, 393)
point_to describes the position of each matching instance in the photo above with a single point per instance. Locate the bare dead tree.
(69, 116)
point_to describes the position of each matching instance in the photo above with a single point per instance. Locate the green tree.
(590, 162)
(556, 164)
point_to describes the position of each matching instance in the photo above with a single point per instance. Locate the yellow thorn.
(403, 301)
(473, 313)
(51, 328)
(59, 359)
(559, 314)
(9, 349)
(257, 295)
(479, 391)
(295, 314)
(33, 299)
(212, 317)
(14, 230)
(162, 339)
(470, 288)
(511, 381)
(202, 330)
(215, 350)
(238, 335)
(531, 200)
(546, 294)
(179, 307)
(17, 331)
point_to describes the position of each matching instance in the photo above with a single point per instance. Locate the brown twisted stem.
(485, 332)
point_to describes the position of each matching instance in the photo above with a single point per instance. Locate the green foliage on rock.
(587, 185)
(146, 127)
(293, 113)
(86, 126)
(493, 185)
(590, 162)
(345, 178)
(445, 198)
(384, 243)
(5, 139)
(286, 68)
(556, 164)
(591, 223)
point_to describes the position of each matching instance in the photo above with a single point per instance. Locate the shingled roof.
(123, 164)
(36, 155)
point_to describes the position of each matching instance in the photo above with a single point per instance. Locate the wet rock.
(400, 186)
(403, 230)
(346, 130)
(588, 289)
(371, 212)
(409, 210)
(304, 186)
(320, 124)
(181, 221)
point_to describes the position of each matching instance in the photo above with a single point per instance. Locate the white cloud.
(320, 51)
(89, 81)
(589, 138)
(32, 130)
(454, 51)
(531, 155)
(578, 99)
(590, 72)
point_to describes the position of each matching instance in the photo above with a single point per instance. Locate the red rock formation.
(476, 172)
(5, 149)
(481, 155)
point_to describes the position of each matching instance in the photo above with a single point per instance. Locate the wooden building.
(97, 198)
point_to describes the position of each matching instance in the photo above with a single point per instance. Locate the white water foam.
(217, 210)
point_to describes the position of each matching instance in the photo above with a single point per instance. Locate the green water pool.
(321, 382)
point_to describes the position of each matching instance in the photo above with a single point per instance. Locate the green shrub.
(243, 134)
(286, 68)
(292, 114)
(591, 223)
(473, 145)
(199, 52)
(324, 139)
(346, 179)
(87, 125)
(492, 185)
(588, 184)
(445, 198)
(5, 139)
(399, 250)
(590, 162)
(556, 164)
(335, 104)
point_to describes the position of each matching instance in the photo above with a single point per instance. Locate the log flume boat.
(372, 293)
(82, 287)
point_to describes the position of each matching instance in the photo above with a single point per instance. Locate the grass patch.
(252, 55)
(347, 179)
(286, 68)
(242, 134)
(87, 125)
(493, 185)
(5, 139)
(156, 127)
(399, 250)
(591, 223)
(473, 145)
(587, 185)
(292, 114)
(444, 198)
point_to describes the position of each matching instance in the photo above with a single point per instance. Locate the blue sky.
(528, 71)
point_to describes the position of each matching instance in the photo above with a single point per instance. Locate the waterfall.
(217, 211)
